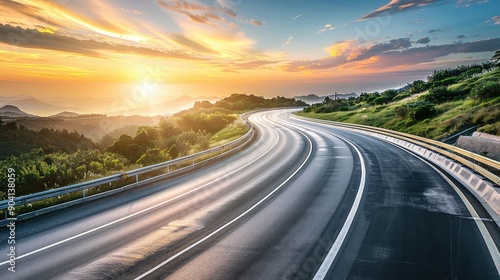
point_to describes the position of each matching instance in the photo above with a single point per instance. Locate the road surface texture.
(304, 201)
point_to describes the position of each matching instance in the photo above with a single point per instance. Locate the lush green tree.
(203, 104)
(106, 141)
(327, 100)
(123, 147)
(420, 110)
(96, 168)
(168, 127)
(486, 90)
(401, 111)
(81, 171)
(417, 86)
(382, 100)
(146, 136)
(496, 57)
(203, 140)
(153, 156)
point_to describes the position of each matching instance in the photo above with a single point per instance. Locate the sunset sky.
(163, 49)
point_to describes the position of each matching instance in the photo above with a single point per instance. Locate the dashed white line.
(233, 220)
(142, 211)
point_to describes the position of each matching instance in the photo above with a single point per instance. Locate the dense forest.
(449, 101)
(50, 158)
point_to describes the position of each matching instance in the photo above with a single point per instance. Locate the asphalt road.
(303, 201)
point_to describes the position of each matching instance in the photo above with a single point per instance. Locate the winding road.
(303, 201)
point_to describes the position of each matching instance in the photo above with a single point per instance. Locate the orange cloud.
(340, 48)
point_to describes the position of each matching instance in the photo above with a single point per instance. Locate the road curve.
(303, 201)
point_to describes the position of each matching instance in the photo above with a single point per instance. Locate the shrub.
(447, 81)
(401, 111)
(486, 90)
(420, 110)
(442, 94)
(401, 96)
(382, 100)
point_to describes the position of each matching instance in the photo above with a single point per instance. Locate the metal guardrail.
(453, 138)
(4, 204)
(452, 152)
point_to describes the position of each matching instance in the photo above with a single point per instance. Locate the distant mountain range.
(33, 106)
(67, 107)
(62, 107)
(13, 112)
(65, 114)
(313, 98)
(165, 107)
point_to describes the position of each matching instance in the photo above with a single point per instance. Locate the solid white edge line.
(332, 254)
(492, 248)
(142, 211)
(233, 220)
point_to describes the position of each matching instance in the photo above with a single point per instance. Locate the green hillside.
(450, 101)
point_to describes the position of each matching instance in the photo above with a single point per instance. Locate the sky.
(150, 50)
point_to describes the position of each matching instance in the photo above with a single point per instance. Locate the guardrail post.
(168, 169)
(83, 193)
(137, 178)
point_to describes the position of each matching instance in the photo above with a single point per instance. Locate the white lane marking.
(492, 248)
(144, 210)
(233, 220)
(332, 254)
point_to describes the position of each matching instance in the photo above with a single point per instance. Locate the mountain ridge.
(13, 112)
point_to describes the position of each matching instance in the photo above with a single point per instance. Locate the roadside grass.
(451, 117)
(228, 134)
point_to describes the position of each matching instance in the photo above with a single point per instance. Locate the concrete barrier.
(481, 143)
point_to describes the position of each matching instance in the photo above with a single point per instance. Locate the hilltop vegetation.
(51, 158)
(17, 139)
(450, 101)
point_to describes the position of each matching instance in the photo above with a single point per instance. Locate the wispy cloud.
(206, 14)
(467, 3)
(288, 42)
(137, 12)
(191, 44)
(104, 20)
(86, 47)
(496, 19)
(424, 40)
(253, 22)
(399, 6)
(327, 27)
(435, 31)
(229, 3)
(395, 53)
(362, 53)
(296, 17)
(235, 67)
(199, 13)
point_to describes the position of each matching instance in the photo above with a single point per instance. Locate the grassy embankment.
(458, 110)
